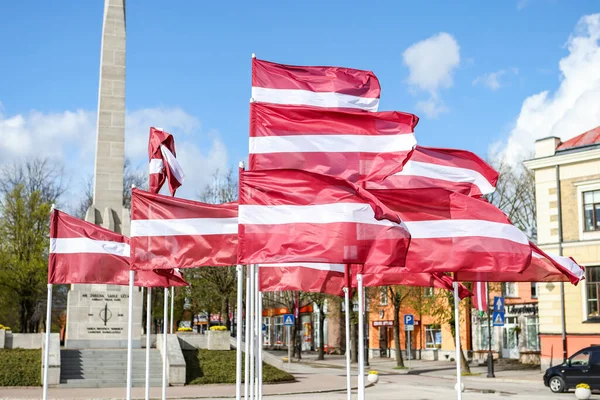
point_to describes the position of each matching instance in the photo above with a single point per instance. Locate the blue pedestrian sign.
(264, 327)
(409, 322)
(499, 304)
(288, 320)
(498, 318)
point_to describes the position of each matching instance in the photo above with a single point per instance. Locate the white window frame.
(583, 187)
(383, 296)
(537, 325)
(516, 291)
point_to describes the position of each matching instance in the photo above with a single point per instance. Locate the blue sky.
(479, 68)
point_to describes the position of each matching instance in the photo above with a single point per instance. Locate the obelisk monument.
(97, 314)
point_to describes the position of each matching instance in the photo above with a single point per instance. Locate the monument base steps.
(103, 368)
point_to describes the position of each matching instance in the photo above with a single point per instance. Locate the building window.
(592, 285)
(534, 290)
(591, 210)
(383, 297)
(532, 340)
(484, 334)
(278, 331)
(510, 289)
(428, 292)
(433, 336)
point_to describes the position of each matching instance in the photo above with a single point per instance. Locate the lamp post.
(490, 360)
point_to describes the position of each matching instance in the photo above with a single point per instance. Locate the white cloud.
(491, 80)
(431, 63)
(521, 4)
(575, 106)
(69, 137)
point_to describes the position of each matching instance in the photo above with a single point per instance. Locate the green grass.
(470, 373)
(400, 367)
(20, 367)
(218, 366)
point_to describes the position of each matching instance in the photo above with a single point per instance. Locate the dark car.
(581, 367)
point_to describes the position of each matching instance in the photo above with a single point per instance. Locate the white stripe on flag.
(173, 164)
(316, 99)
(156, 166)
(456, 228)
(319, 266)
(566, 262)
(185, 226)
(326, 143)
(86, 245)
(310, 214)
(447, 173)
(480, 294)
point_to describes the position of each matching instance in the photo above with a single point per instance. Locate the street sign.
(498, 318)
(409, 322)
(499, 304)
(264, 327)
(288, 320)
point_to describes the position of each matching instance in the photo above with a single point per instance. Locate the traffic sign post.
(409, 325)
(288, 321)
(498, 315)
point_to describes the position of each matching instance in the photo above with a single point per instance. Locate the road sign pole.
(289, 333)
(408, 347)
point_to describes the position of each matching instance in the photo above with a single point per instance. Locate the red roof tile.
(585, 139)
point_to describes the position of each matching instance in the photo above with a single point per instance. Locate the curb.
(485, 379)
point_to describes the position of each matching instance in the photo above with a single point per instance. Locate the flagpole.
(257, 333)
(361, 338)
(259, 344)
(490, 363)
(130, 334)
(348, 344)
(165, 354)
(247, 333)
(148, 333)
(252, 327)
(47, 347)
(457, 342)
(172, 307)
(238, 333)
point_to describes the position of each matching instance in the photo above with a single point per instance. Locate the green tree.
(398, 296)
(24, 251)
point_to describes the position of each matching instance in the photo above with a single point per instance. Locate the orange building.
(429, 340)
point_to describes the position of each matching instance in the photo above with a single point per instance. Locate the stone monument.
(97, 315)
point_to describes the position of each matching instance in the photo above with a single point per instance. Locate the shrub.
(20, 367)
(218, 328)
(184, 329)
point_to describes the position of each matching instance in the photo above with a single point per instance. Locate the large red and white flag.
(353, 145)
(452, 232)
(455, 170)
(543, 267)
(298, 216)
(81, 252)
(305, 277)
(168, 232)
(480, 296)
(163, 161)
(398, 276)
(334, 87)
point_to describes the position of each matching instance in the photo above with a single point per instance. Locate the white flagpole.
(348, 344)
(130, 334)
(47, 347)
(257, 333)
(361, 339)
(238, 334)
(457, 343)
(172, 306)
(165, 350)
(247, 333)
(148, 334)
(259, 343)
(252, 327)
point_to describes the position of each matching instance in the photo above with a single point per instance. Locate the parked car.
(581, 367)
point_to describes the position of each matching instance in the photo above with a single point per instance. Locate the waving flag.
(297, 216)
(81, 252)
(304, 277)
(335, 87)
(168, 232)
(480, 296)
(353, 145)
(455, 170)
(451, 232)
(163, 163)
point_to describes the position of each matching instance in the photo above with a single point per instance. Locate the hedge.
(20, 367)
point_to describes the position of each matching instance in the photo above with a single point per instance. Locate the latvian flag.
(163, 162)
(352, 145)
(480, 296)
(168, 232)
(81, 252)
(297, 216)
(331, 87)
(305, 277)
